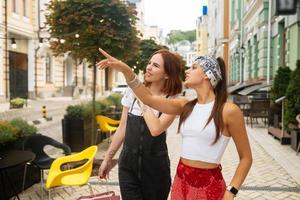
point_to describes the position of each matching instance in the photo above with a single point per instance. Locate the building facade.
(218, 31)
(2, 50)
(187, 50)
(19, 28)
(248, 44)
(202, 33)
(29, 69)
(61, 75)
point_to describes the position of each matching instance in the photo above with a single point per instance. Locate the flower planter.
(77, 133)
(16, 176)
(295, 138)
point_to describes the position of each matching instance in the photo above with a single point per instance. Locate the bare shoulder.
(231, 110)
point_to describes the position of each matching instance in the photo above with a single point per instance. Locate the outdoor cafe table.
(10, 159)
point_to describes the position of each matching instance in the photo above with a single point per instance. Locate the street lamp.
(13, 43)
(241, 51)
(40, 42)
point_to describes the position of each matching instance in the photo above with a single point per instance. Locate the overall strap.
(132, 104)
(160, 113)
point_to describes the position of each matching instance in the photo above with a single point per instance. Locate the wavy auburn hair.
(173, 67)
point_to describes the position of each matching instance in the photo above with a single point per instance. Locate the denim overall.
(144, 165)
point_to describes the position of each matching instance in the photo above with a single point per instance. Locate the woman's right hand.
(104, 169)
(112, 62)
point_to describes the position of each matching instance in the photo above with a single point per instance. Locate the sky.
(172, 14)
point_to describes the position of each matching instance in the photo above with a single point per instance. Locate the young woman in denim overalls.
(144, 166)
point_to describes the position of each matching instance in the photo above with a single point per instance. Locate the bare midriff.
(199, 164)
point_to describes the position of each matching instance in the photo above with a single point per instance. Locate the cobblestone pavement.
(274, 174)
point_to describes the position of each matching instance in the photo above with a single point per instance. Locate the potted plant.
(12, 135)
(77, 122)
(292, 106)
(8, 134)
(279, 87)
(24, 130)
(77, 127)
(17, 102)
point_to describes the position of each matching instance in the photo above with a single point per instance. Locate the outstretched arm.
(169, 106)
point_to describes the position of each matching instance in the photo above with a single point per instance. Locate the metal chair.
(259, 109)
(36, 144)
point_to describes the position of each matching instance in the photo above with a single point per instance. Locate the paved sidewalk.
(274, 174)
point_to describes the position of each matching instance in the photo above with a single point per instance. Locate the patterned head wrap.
(211, 68)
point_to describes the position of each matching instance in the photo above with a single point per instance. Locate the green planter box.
(33, 176)
(16, 174)
(295, 138)
(77, 133)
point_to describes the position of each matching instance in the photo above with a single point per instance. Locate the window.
(14, 6)
(25, 8)
(48, 63)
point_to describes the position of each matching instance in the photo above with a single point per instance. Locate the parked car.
(120, 89)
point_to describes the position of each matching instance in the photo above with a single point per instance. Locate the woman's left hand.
(228, 196)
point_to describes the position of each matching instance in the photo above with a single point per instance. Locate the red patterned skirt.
(192, 183)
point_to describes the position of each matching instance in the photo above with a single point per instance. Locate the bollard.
(44, 112)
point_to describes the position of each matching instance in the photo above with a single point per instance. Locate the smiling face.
(195, 76)
(155, 70)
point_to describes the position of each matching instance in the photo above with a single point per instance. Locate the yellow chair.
(71, 177)
(105, 124)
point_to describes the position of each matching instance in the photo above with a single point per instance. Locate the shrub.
(23, 128)
(103, 107)
(281, 82)
(7, 133)
(115, 99)
(292, 102)
(17, 102)
(74, 111)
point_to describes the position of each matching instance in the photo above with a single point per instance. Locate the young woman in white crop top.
(206, 125)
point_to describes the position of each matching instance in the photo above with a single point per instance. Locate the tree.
(292, 102)
(83, 26)
(176, 36)
(98, 23)
(147, 48)
(280, 83)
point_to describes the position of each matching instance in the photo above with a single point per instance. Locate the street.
(274, 174)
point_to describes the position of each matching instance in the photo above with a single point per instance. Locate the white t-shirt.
(128, 99)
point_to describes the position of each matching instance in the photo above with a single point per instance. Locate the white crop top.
(127, 101)
(197, 141)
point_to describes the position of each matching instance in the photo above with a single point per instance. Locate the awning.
(255, 88)
(238, 87)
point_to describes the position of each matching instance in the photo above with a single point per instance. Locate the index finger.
(105, 54)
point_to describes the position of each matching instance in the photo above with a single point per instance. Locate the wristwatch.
(232, 189)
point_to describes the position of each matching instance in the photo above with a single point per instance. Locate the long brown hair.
(216, 114)
(172, 66)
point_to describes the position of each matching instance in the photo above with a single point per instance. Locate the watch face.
(232, 189)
